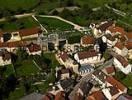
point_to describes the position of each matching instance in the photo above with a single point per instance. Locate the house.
(30, 33)
(87, 40)
(12, 46)
(122, 64)
(5, 58)
(48, 96)
(60, 96)
(96, 95)
(63, 74)
(115, 30)
(64, 59)
(120, 49)
(77, 96)
(99, 30)
(113, 88)
(84, 88)
(124, 97)
(33, 49)
(67, 84)
(20, 35)
(110, 70)
(85, 69)
(129, 40)
(88, 57)
(110, 40)
(100, 77)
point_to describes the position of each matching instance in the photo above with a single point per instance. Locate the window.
(15, 34)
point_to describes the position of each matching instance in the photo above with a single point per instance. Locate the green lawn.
(17, 94)
(54, 24)
(27, 68)
(9, 70)
(15, 5)
(128, 81)
(52, 58)
(17, 24)
(92, 3)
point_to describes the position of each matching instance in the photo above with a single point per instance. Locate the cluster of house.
(84, 71)
(94, 79)
(11, 41)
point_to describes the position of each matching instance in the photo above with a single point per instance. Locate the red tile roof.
(129, 35)
(30, 31)
(114, 29)
(105, 25)
(87, 40)
(48, 96)
(60, 95)
(33, 47)
(64, 56)
(115, 83)
(129, 45)
(122, 60)
(110, 69)
(97, 95)
(119, 45)
(13, 44)
(87, 54)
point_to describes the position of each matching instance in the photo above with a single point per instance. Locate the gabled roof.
(87, 40)
(86, 87)
(100, 75)
(122, 60)
(60, 95)
(87, 54)
(97, 95)
(110, 69)
(33, 47)
(128, 45)
(114, 29)
(113, 90)
(119, 45)
(105, 25)
(64, 56)
(30, 31)
(115, 83)
(13, 44)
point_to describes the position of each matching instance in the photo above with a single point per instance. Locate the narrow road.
(18, 16)
(77, 27)
(123, 14)
(43, 28)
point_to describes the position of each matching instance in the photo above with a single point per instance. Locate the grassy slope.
(27, 68)
(26, 22)
(18, 4)
(52, 24)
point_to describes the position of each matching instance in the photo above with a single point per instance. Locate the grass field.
(9, 70)
(27, 68)
(54, 24)
(17, 24)
(15, 5)
(51, 57)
